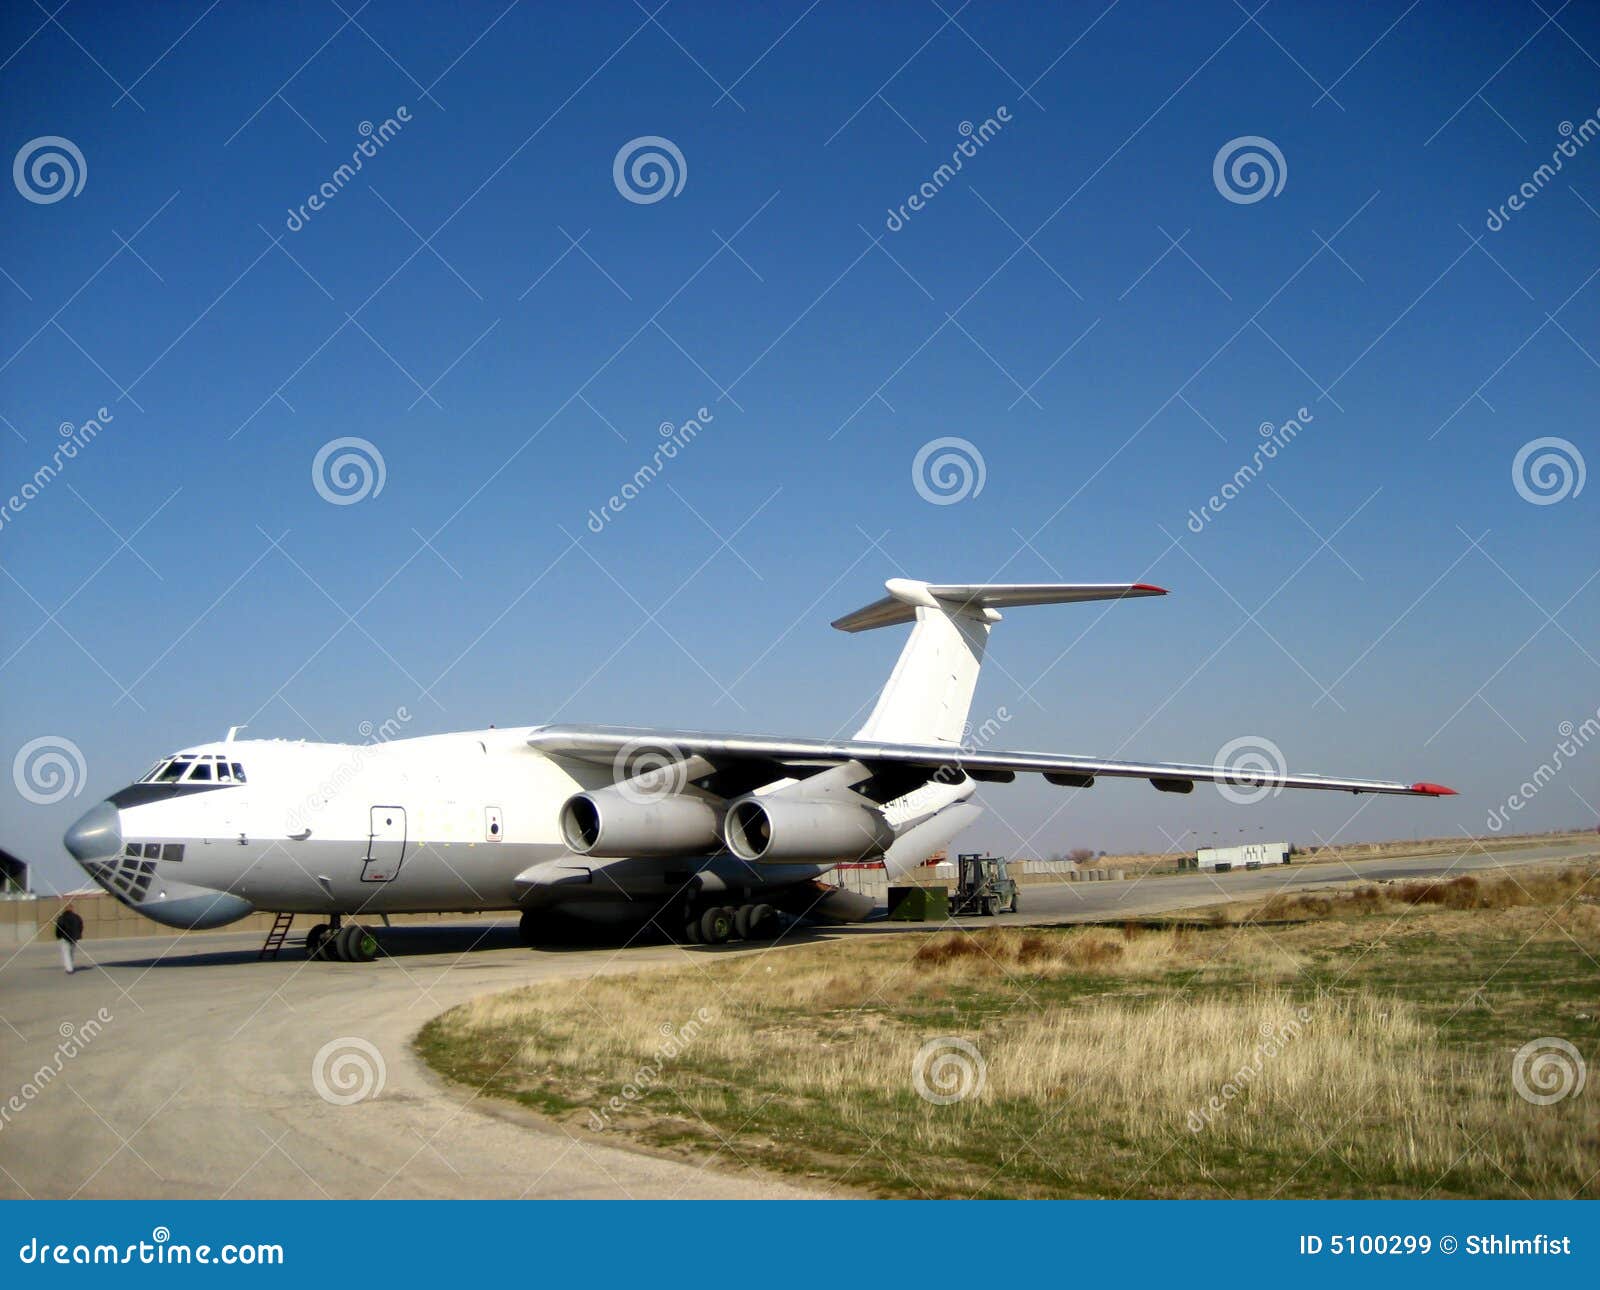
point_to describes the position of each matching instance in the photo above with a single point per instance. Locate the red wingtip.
(1433, 790)
(1150, 587)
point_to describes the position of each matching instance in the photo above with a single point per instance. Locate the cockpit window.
(189, 768)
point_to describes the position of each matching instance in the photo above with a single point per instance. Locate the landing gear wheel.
(716, 925)
(691, 930)
(355, 944)
(530, 928)
(314, 940)
(741, 922)
(763, 923)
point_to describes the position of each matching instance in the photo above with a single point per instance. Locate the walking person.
(69, 931)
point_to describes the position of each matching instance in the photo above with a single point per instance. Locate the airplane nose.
(97, 835)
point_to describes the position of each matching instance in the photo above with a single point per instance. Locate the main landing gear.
(346, 943)
(722, 923)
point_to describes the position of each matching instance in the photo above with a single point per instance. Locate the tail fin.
(930, 690)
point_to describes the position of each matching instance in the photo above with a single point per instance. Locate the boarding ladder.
(276, 937)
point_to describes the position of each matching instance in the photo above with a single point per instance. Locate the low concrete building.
(1252, 855)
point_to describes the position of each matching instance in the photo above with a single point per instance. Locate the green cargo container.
(919, 904)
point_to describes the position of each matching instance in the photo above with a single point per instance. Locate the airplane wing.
(619, 745)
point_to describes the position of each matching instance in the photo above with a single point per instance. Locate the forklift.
(983, 886)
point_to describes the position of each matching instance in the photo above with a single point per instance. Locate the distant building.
(13, 876)
(1252, 855)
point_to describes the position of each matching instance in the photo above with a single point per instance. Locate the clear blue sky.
(1035, 307)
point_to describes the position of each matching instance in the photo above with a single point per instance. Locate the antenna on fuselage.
(232, 730)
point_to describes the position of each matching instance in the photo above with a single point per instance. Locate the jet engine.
(608, 824)
(779, 828)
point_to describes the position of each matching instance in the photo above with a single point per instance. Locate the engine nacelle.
(607, 824)
(778, 828)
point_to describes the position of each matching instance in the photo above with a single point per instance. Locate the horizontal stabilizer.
(973, 598)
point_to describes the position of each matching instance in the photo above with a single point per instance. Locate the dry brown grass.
(1171, 1061)
(1577, 886)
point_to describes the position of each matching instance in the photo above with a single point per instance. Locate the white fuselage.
(458, 822)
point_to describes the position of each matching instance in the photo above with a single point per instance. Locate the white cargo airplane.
(710, 835)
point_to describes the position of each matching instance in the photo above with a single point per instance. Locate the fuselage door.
(386, 844)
